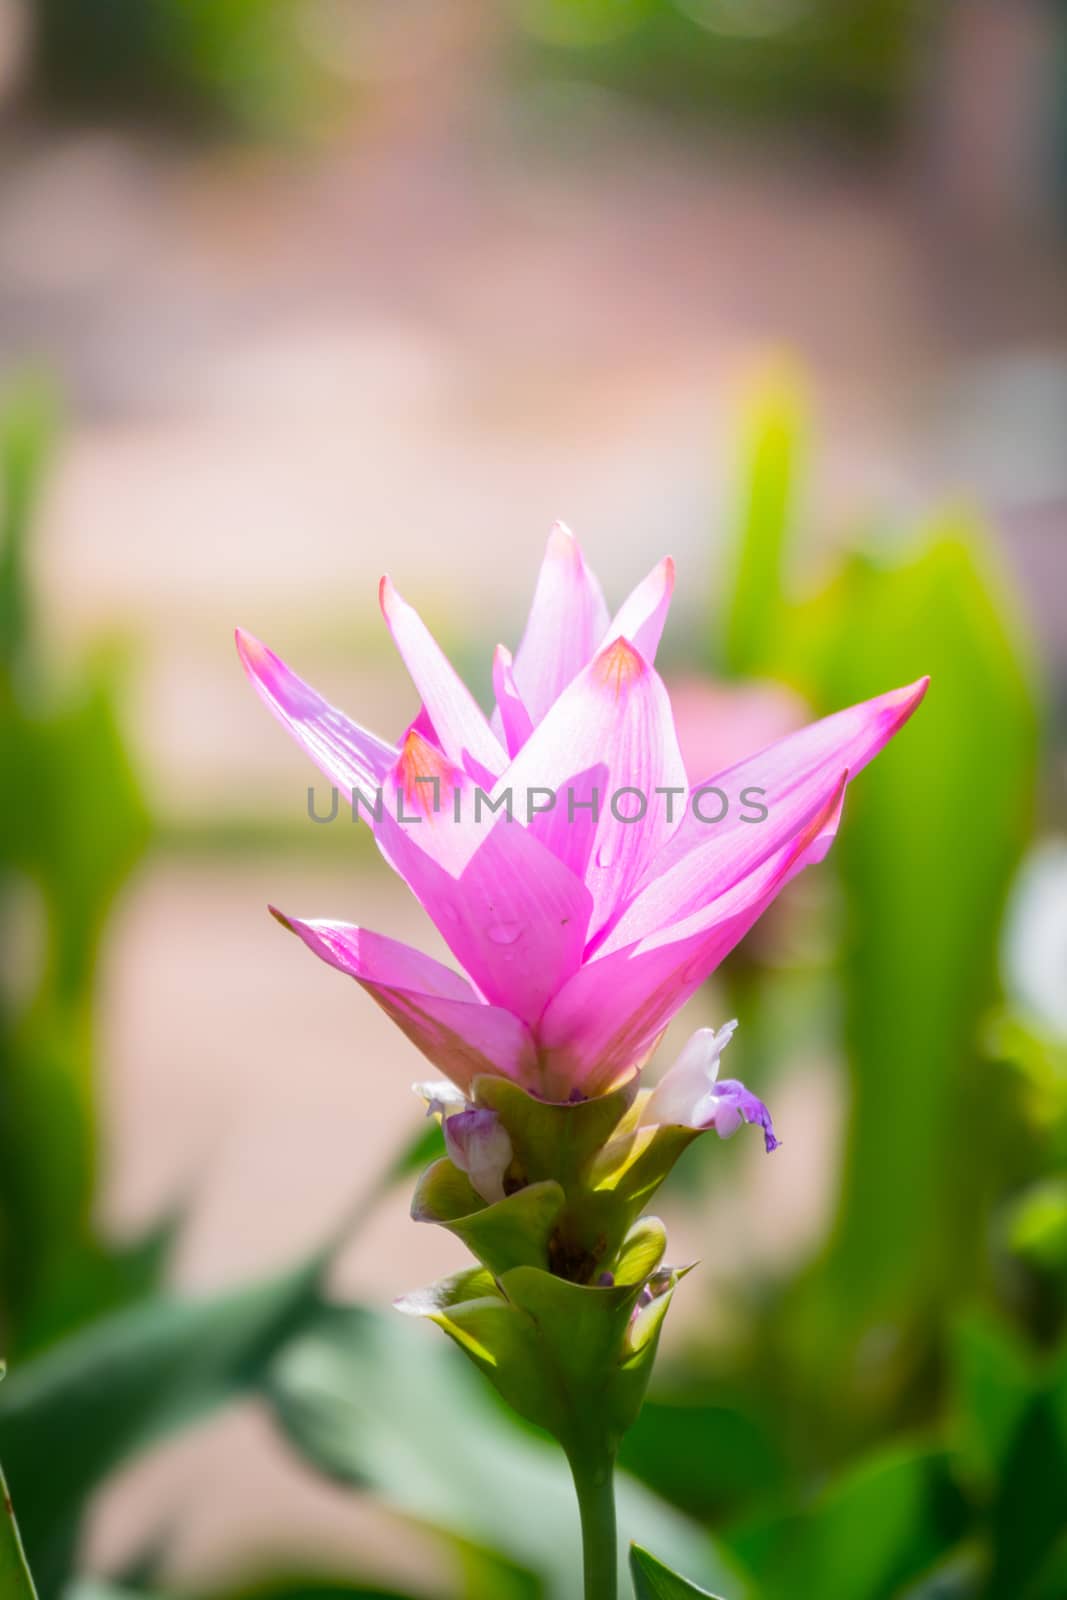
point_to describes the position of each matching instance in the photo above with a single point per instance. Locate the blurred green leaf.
(928, 849)
(226, 64)
(1050, 1583)
(831, 66)
(71, 828)
(1037, 1224)
(1026, 1523)
(773, 438)
(705, 1459)
(374, 1401)
(994, 1382)
(27, 431)
(654, 1581)
(71, 1416)
(869, 1532)
(1031, 1510)
(929, 843)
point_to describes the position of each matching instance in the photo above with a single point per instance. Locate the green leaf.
(1037, 1225)
(930, 839)
(1028, 1519)
(376, 1402)
(871, 1531)
(71, 830)
(654, 1581)
(27, 432)
(706, 1459)
(15, 1580)
(74, 1414)
(995, 1380)
(923, 894)
(773, 435)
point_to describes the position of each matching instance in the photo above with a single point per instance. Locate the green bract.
(573, 1358)
(564, 1312)
(579, 1178)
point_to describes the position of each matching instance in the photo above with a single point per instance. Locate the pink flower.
(584, 884)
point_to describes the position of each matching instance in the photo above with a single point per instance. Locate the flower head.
(583, 882)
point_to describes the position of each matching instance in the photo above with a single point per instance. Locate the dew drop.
(504, 932)
(604, 857)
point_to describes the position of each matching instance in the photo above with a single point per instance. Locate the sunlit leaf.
(654, 1581)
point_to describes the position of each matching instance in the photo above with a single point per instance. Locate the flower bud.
(478, 1144)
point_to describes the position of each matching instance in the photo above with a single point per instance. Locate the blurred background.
(292, 291)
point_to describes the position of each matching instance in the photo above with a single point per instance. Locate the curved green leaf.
(654, 1581)
(75, 1413)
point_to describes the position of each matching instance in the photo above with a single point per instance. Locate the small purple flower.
(690, 1094)
(477, 1143)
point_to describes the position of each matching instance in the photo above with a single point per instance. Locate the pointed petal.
(459, 723)
(515, 721)
(348, 755)
(434, 1007)
(609, 1015)
(611, 731)
(785, 781)
(515, 918)
(566, 623)
(642, 616)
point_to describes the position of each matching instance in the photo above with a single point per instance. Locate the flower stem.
(595, 1486)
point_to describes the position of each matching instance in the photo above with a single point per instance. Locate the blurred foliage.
(78, 1411)
(835, 64)
(72, 824)
(255, 66)
(840, 1429)
(240, 64)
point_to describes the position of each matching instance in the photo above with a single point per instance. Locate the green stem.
(595, 1486)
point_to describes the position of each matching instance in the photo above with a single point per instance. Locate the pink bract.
(580, 930)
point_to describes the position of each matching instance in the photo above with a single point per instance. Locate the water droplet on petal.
(504, 932)
(604, 856)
